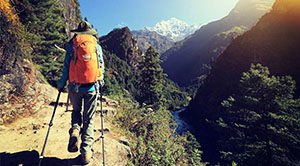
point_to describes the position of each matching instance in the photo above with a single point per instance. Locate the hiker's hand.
(101, 83)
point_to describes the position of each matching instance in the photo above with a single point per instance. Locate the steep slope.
(20, 83)
(273, 42)
(185, 61)
(146, 38)
(174, 29)
(122, 43)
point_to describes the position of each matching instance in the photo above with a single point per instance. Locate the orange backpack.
(85, 66)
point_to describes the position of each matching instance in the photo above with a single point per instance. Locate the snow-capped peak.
(174, 29)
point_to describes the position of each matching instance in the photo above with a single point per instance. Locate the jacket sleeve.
(65, 74)
(101, 61)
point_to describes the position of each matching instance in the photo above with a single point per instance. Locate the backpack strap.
(75, 54)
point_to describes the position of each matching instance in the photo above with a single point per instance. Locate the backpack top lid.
(84, 45)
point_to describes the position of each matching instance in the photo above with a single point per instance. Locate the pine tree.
(263, 121)
(44, 22)
(152, 77)
(51, 27)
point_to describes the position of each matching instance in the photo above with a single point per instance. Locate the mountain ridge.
(184, 62)
(173, 28)
(146, 38)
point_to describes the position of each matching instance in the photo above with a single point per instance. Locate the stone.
(113, 103)
(124, 140)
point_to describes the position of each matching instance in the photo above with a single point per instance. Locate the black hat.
(85, 28)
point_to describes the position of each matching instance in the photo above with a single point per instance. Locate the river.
(182, 125)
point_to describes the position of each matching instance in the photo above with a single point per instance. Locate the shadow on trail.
(31, 158)
(59, 104)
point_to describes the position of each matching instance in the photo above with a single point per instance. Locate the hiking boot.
(73, 141)
(85, 158)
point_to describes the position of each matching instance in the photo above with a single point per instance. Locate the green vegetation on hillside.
(154, 142)
(45, 27)
(149, 125)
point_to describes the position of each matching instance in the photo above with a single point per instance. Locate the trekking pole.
(68, 100)
(102, 131)
(50, 124)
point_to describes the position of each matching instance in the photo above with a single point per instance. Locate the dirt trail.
(22, 140)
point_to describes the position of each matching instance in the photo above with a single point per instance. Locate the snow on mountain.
(174, 29)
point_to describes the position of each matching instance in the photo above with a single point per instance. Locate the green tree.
(152, 77)
(44, 22)
(49, 24)
(263, 121)
(192, 148)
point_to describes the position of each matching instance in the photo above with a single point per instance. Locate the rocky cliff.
(122, 43)
(12, 71)
(71, 14)
(20, 83)
(22, 91)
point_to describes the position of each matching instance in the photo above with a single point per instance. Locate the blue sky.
(106, 15)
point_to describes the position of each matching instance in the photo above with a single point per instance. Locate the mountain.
(273, 42)
(174, 29)
(185, 61)
(146, 38)
(122, 43)
(122, 57)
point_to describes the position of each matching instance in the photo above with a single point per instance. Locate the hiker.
(84, 69)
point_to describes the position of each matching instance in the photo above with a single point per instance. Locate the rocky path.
(21, 142)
